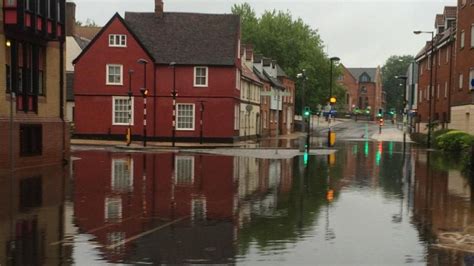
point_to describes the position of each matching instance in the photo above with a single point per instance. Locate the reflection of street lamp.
(430, 118)
(174, 94)
(144, 92)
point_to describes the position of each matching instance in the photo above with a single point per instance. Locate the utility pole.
(144, 92)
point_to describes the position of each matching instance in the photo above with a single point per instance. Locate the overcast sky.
(361, 33)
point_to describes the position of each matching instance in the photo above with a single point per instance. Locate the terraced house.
(33, 131)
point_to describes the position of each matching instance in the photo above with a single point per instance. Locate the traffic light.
(307, 112)
(330, 195)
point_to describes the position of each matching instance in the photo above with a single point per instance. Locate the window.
(237, 79)
(446, 90)
(236, 117)
(471, 79)
(117, 40)
(113, 209)
(122, 175)
(472, 36)
(184, 170)
(447, 54)
(437, 91)
(429, 63)
(461, 78)
(31, 140)
(198, 209)
(264, 119)
(10, 3)
(122, 111)
(185, 116)
(20, 79)
(439, 57)
(114, 75)
(31, 193)
(201, 76)
(41, 83)
(462, 39)
(364, 78)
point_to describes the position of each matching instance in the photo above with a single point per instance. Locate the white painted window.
(447, 54)
(472, 36)
(185, 116)
(471, 79)
(117, 40)
(439, 57)
(114, 74)
(462, 39)
(117, 241)
(113, 209)
(237, 79)
(238, 49)
(122, 175)
(437, 91)
(201, 76)
(236, 117)
(184, 172)
(446, 90)
(122, 111)
(461, 79)
(198, 209)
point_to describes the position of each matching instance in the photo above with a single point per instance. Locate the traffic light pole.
(308, 140)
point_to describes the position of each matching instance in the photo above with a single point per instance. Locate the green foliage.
(295, 46)
(89, 23)
(419, 138)
(395, 66)
(440, 132)
(455, 141)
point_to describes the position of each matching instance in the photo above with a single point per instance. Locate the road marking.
(146, 233)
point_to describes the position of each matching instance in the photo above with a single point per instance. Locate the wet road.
(369, 203)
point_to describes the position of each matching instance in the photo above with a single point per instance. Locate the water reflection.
(369, 203)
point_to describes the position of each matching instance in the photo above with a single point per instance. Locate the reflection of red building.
(119, 196)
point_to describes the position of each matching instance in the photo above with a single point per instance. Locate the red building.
(181, 54)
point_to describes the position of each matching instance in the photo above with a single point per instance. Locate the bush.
(440, 132)
(454, 141)
(419, 138)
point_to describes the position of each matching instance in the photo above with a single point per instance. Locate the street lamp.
(331, 98)
(430, 118)
(174, 93)
(405, 111)
(144, 92)
(302, 76)
(129, 130)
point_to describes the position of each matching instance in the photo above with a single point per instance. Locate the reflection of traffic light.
(366, 149)
(378, 157)
(305, 158)
(330, 195)
(332, 159)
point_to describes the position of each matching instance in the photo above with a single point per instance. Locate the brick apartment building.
(441, 76)
(453, 71)
(364, 89)
(32, 35)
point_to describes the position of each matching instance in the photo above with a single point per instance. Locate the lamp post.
(430, 115)
(405, 112)
(129, 130)
(174, 94)
(144, 92)
(331, 99)
(302, 76)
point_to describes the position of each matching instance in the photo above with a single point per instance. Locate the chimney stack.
(70, 18)
(159, 8)
(249, 52)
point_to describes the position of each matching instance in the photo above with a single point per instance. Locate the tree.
(89, 23)
(295, 46)
(395, 66)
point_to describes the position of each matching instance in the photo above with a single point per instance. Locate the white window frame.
(463, 38)
(238, 77)
(461, 81)
(107, 67)
(131, 110)
(471, 77)
(446, 90)
(177, 117)
(195, 77)
(437, 91)
(237, 117)
(122, 38)
(447, 55)
(122, 187)
(472, 35)
(178, 163)
(110, 202)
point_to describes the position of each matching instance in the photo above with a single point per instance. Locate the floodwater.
(369, 203)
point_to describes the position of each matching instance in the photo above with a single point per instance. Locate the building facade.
(364, 89)
(32, 114)
(206, 78)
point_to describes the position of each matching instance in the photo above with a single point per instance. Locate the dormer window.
(364, 78)
(117, 40)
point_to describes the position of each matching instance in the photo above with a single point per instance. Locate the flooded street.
(369, 203)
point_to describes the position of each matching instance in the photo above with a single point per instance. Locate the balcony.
(41, 20)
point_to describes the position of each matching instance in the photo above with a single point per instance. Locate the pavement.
(390, 134)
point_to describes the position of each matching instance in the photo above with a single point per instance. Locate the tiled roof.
(246, 72)
(357, 72)
(82, 42)
(450, 12)
(187, 38)
(281, 72)
(260, 75)
(274, 81)
(87, 32)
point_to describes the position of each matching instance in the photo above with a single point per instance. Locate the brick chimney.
(159, 8)
(70, 18)
(249, 52)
